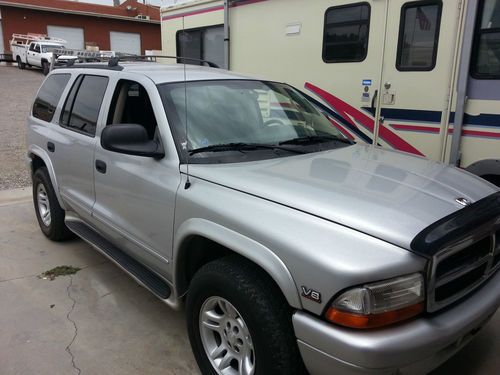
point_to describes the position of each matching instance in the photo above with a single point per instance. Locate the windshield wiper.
(313, 139)
(240, 146)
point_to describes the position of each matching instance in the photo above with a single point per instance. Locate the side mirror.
(130, 139)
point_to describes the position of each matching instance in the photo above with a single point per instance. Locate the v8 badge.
(311, 294)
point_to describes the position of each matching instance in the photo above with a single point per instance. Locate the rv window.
(418, 36)
(486, 56)
(205, 43)
(345, 37)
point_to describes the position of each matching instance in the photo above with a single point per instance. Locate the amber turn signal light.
(372, 321)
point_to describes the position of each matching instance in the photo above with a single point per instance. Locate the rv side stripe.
(209, 9)
(415, 128)
(477, 133)
(193, 12)
(341, 128)
(339, 119)
(434, 130)
(346, 111)
(245, 2)
(425, 116)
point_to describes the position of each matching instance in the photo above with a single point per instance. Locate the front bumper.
(415, 347)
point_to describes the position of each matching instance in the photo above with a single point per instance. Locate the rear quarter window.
(49, 95)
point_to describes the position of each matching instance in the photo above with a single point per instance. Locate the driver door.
(135, 195)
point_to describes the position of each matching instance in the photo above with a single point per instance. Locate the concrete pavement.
(110, 323)
(99, 321)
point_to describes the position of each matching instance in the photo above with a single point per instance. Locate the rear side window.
(49, 95)
(418, 36)
(486, 57)
(83, 104)
(345, 36)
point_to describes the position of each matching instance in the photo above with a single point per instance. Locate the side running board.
(139, 272)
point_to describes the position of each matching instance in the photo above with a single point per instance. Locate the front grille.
(464, 258)
(462, 267)
(460, 283)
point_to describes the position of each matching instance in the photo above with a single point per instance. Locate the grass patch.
(59, 271)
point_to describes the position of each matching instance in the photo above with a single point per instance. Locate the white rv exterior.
(428, 70)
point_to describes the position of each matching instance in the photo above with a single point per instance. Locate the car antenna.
(188, 182)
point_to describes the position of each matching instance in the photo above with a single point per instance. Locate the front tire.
(45, 67)
(49, 213)
(239, 322)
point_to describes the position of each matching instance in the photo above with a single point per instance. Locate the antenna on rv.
(188, 182)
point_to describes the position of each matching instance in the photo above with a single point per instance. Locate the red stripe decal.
(341, 129)
(347, 111)
(416, 128)
(478, 133)
(465, 132)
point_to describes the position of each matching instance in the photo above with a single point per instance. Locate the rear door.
(73, 147)
(416, 75)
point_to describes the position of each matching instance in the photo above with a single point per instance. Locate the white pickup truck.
(34, 50)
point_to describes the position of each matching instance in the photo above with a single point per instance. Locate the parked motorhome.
(428, 70)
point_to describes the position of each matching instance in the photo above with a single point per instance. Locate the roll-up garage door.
(125, 42)
(73, 35)
(2, 48)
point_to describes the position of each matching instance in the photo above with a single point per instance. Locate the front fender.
(42, 154)
(240, 244)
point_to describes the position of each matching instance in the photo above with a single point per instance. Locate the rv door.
(417, 71)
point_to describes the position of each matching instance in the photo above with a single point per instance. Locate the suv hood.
(387, 194)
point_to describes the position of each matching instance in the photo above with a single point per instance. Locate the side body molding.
(42, 154)
(240, 244)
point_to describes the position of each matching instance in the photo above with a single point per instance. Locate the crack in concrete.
(68, 348)
(18, 278)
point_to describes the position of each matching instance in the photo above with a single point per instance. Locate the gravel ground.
(17, 89)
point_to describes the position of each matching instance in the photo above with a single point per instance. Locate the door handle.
(51, 147)
(100, 166)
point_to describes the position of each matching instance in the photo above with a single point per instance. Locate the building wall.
(96, 29)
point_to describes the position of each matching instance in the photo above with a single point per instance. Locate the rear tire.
(20, 64)
(49, 213)
(236, 312)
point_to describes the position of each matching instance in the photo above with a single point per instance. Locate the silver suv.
(290, 246)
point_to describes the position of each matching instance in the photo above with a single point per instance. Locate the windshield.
(50, 47)
(233, 118)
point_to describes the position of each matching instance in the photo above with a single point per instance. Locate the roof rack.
(114, 61)
(30, 37)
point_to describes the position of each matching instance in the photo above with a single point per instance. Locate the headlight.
(379, 304)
